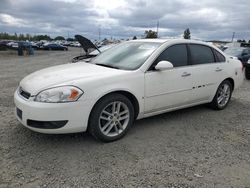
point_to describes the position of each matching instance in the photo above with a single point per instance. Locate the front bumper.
(52, 118)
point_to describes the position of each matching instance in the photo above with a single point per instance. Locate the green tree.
(187, 34)
(150, 34)
(59, 38)
(27, 37)
(21, 37)
(41, 37)
(70, 39)
(15, 36)
(134, 38)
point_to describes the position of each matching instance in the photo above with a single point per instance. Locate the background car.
(243, 54)
(90, 49)
(248, 70)
(3, 45)
(88, 57)
(13, 45)
(54, 47)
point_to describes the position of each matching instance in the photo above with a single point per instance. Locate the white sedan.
(130, 81)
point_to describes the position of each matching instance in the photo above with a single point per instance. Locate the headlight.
(59, 94)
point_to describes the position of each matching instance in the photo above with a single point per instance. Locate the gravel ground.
(194, 147)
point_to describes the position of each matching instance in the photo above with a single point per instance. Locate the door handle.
(218, 69)
(185, 74)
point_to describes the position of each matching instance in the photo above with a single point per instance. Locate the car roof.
(172, 41)
(150, 40)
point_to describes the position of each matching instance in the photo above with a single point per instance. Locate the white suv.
(132, 80)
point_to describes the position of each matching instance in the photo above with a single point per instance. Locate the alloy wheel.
(223, 95)
(114, 118)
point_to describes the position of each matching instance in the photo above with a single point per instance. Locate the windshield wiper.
(109, 66)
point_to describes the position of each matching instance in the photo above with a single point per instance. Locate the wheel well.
(231, 81)
(130, 96)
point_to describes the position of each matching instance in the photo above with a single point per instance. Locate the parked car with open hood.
(90, 49)
(134, 80)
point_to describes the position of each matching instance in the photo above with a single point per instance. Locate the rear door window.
(201, 54)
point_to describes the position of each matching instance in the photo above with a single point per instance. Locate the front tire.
(222, 96)
(111, 118)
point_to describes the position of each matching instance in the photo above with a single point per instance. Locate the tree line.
(23, 37)
(153, 34)
(186, 35)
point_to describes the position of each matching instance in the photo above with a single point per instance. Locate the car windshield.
(102, 49)
(233, 51)
(128, 56)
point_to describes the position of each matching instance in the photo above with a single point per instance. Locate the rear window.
(219, 56)
(201, 54)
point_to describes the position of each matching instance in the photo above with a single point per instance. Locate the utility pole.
(233, 36)
(157, 29)
(99, 33)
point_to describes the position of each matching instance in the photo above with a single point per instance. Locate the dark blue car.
(54, 47)
(243, 54)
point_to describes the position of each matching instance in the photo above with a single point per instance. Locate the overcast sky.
(207, 19)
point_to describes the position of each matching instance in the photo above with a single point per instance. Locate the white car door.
(207, 71)
(169, 88)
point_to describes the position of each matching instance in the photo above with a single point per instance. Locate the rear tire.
(111, 118)
(247, 72)
(222, 96)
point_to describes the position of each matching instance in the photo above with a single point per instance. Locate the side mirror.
(164, 65)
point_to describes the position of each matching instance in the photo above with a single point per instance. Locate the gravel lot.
(194, 147)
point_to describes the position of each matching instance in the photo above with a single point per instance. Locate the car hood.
(66, 74)
(86, 43)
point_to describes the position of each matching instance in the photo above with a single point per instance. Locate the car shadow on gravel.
(40, 138)
(202, 109)
(141, 128)
(86, 137)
